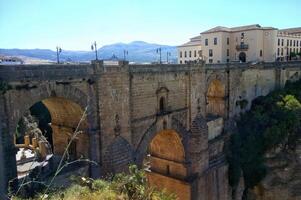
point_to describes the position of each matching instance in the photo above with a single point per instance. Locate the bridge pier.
(95, 154)
(8, 168)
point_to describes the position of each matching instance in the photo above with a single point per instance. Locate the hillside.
(138, 51)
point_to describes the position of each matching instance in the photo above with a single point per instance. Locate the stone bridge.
(173, 117)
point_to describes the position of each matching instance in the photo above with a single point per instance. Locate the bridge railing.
(44, 72)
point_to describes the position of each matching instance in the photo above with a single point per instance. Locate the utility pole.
(159, 51)
(58, 52)
(167, 55)
(94, 47)
(125, 53)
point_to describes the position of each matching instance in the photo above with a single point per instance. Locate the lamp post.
(159, 51)
(125, 53)
(58, 52)
(94, 48)
(167, 55)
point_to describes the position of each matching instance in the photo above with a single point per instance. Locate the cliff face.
(283, 179)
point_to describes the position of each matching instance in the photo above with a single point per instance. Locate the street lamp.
(167, 55)
(125, 53)
(58, 52)
(159, 51)
(94, 48)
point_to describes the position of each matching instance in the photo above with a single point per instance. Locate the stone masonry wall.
(124, 102)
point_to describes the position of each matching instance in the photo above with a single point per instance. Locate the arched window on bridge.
(162, 104)
(162, 100)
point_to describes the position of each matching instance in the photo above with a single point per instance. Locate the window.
(185, 54)
(260, 53)
(228, 41)
(167, 170)
(194, 53)
(278, 42)
(180, 61)
(206, 42)
(282, 51)
(200, 53)
(278, 50)
(294, 43)
(189, 54)
(287, 42)
(228, 52)
(282, 42)
(210, 52)
(228, 60)
(162, 105)
(215, 41)
(210, 61)
(291, 42)
(181, 54)
(297, 43)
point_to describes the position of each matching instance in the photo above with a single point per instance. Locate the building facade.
(190, 51)
(252, 43)
(288, 44)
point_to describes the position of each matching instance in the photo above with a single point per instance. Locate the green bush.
(272, 122)
(132, 185)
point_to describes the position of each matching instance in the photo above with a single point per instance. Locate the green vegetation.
(272, 123)
(242, 103)
(132, 185)
(4, 86)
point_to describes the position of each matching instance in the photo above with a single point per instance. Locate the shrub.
(273, 122)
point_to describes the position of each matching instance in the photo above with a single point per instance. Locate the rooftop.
(296, 30)
(194, 41)
(238, 28)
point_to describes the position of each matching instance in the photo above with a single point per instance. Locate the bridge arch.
(21, 100)
(162, 152)
(143, 146)
(66, 105)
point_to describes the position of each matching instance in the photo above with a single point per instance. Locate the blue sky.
(74, 24)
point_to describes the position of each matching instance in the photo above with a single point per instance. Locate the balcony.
(242, 47)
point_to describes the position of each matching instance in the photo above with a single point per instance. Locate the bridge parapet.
(259, 65)
(44, 72)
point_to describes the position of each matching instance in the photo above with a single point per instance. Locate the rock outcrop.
(283, 179)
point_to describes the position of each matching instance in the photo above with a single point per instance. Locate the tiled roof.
(238, 28)
(194, 41)
(296, 30)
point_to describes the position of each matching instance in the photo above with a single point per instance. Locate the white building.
(252, 43)
(8, 60)
(190, 51)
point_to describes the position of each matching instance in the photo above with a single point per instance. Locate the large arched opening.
(166, 164)
(44, 133)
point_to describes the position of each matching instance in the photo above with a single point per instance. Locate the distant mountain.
(138, 51)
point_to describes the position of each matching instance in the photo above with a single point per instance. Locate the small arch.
(242, 57)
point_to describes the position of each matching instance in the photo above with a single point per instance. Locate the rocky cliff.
(283, 179)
